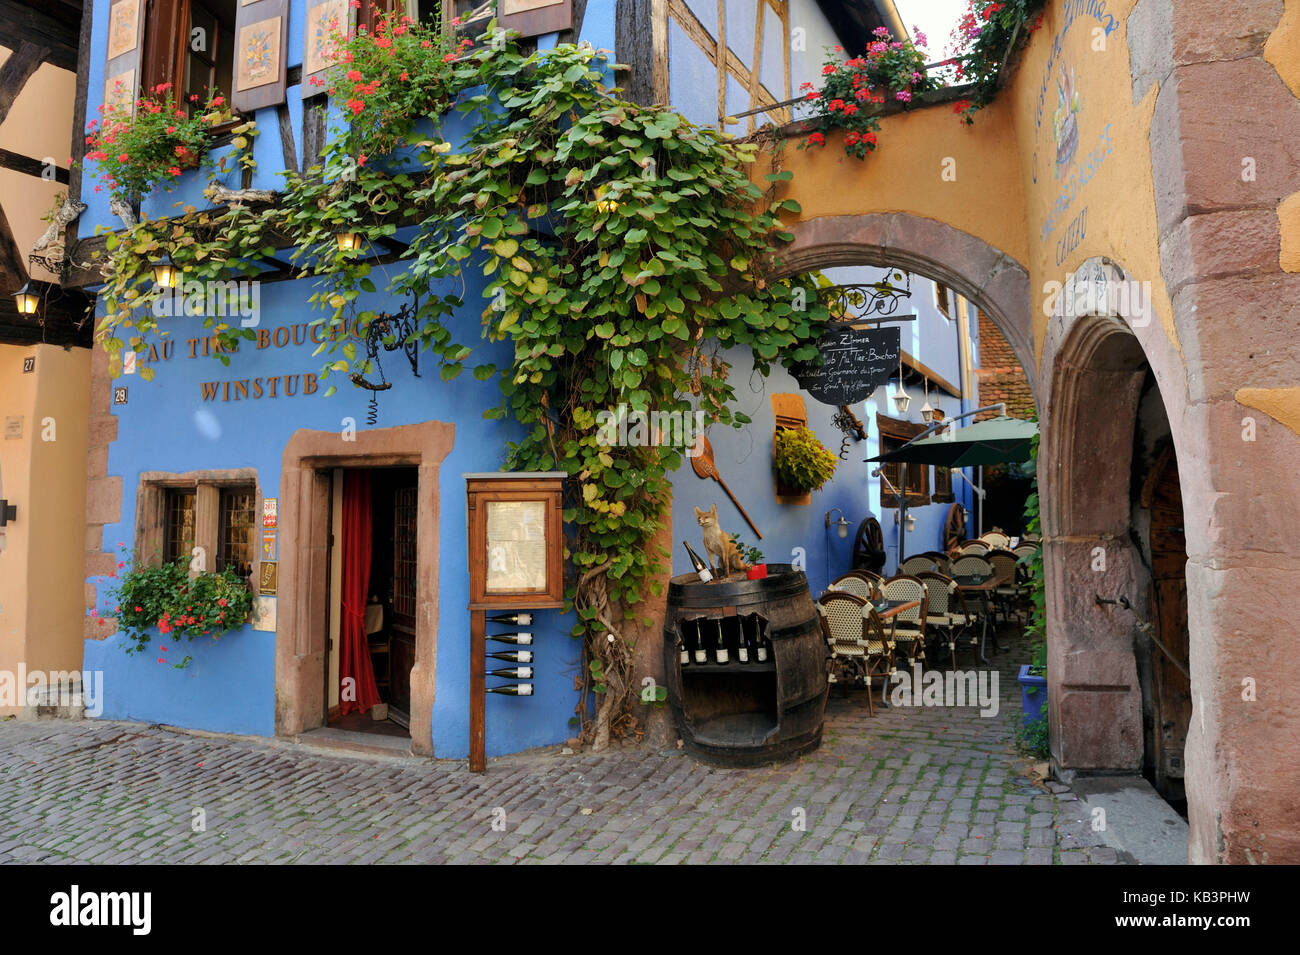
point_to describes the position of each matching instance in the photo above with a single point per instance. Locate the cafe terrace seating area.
(937, 608)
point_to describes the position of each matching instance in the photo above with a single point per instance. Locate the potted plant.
(754, 558)
(802, 463)
(176, 602)
(151, 143)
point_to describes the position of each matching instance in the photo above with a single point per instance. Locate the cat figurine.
(718, 543)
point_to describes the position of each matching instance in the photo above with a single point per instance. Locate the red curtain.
(354, 660)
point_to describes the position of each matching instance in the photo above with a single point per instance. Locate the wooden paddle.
(704, 467)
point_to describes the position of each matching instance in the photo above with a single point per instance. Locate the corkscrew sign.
(856, 361)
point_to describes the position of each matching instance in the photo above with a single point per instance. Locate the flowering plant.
(981, 42)
(388, 78)
(138, 148)
(802, 463)
(168, 599)
(890, 70)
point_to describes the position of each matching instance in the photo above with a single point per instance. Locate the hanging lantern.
(27, 299)
(901, 399)
(927, 413)
(165, 272)
(348, 241)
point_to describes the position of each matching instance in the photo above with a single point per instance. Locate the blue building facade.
(213, 429)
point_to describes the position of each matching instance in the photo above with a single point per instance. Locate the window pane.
(178, 539)
(238, 530)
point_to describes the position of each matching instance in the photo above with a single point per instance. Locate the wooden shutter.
(535, 17)
(123, 57)
(317, 44)
(261, 46)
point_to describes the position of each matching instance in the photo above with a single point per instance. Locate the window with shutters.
(191, 45)
(895, 433)
(211, 516)
(942, 486)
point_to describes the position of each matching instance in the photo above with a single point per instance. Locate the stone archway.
(1099, 345)
(995, 282)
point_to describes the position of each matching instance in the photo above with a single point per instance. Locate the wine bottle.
(513, 689)
(742, 650)
(681, 648)
(514, 619)
(760, 643)
(513, 656)
(522, 638)
(701, 568)
(701, 654)
(513, 673)
(722, 645)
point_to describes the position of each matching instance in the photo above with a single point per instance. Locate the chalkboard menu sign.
(857, 361)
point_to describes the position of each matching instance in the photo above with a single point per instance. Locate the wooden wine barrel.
(746, 714)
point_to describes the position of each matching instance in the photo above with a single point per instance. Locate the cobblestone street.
(911, 785)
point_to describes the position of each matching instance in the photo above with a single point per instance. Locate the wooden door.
(402, 597)
(1171, 689)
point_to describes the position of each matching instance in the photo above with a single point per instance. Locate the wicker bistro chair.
(941, 561)
(860, 583)
(978, 548)
(970, 566)
(947, 614)
(996, 540)
(1025, 550)
(909, 626)
(1009, 592)
(860, 648)
(919, 564)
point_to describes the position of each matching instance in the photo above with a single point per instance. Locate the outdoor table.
(981, 586)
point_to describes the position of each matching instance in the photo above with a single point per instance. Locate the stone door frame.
(301, 652)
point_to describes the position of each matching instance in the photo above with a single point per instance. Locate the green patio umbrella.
(994, 441)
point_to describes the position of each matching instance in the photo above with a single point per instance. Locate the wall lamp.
(841, 526)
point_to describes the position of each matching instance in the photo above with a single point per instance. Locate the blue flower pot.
(1035, 703)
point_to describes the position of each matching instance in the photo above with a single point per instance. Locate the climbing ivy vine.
(622, 248)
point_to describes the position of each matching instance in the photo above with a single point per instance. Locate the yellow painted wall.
(42, 566)
(39, 125)
(906, 173)
(1119, 194)
(1007, 186)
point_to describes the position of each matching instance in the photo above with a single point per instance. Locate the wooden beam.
(634, 48)
(924, 371)
(10, 258)
(287, 148)
(701, 37)
(58, 33)
(756, 64)
(84, 54)
(28, 166)
(720, 61)
(659, 39)
(17, 70)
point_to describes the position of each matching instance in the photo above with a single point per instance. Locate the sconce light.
(165, 272)
(348, 241)
(927, 412)
(901, 399)
(27, 298)
(841, 526)
(911, 523)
